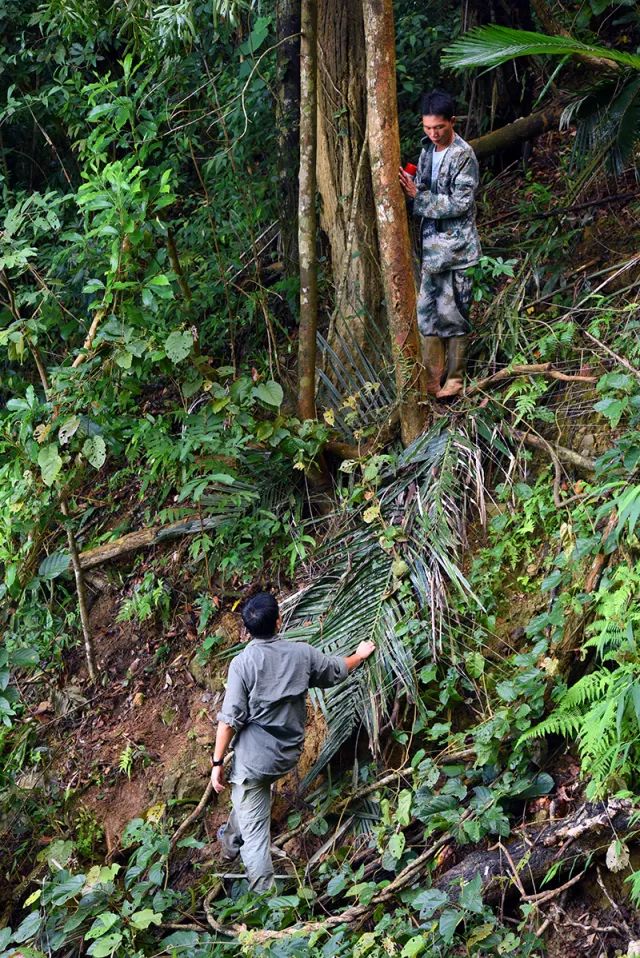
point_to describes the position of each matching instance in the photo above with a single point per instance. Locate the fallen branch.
(567, 843)
(525, 128)
(568, 456)
(143, 539)
(561, 210)
(536, 369)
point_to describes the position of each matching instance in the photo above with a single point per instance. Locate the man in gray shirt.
(265, 708)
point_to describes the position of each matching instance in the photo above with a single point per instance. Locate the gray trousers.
(248, 830)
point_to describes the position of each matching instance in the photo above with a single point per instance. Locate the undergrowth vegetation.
(146, 386)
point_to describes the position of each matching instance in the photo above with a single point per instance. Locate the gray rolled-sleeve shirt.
(265, 702)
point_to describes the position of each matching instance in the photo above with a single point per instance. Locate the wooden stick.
(535, 369)
(560, 210)
(564, 455)
(620, 359)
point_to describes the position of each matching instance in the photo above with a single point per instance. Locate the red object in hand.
(410, 168)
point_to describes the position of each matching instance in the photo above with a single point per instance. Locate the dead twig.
(543, 897)
(619, 359)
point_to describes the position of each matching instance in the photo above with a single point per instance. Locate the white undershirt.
(436, 162)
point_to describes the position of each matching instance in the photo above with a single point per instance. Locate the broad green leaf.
(403, 811)
(180, 939)
(449, 921)
(471, 895)
(104, 947)
(54, 565)
(284, 901)
(415, 946)
(142, 919)
(5, 937)
(479, 934)
(102, 924)
(29, 928)
(95, 451)
(396, 845)
(270, 393)
(68, 429)
(336, 884)
(50, 464)
(365, 943)
(178, 346)
(427, 902)
(66, 890)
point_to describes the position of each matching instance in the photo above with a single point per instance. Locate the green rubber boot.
(456, 363)
(433, 360)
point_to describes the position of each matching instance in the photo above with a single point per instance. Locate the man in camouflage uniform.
(443, 195)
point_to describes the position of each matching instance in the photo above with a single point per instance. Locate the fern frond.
(558, 723)
(586, 689)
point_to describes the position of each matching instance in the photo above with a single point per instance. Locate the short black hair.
(260, 614)
(438, 103)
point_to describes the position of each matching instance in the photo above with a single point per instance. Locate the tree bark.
(393, 230)
(307, 219)
(521, 864)
(347, 211)
(287, 120)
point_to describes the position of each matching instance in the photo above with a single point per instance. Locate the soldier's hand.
(407, 183)
(365, 649)
(217, 778)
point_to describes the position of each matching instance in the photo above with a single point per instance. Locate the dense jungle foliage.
(473, 790)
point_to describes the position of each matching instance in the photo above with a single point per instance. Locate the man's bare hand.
(365, 649)
(407, 184)
(217, 778)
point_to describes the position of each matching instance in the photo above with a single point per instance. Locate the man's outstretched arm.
(364, 650)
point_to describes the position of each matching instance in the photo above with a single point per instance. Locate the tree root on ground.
(193, 817)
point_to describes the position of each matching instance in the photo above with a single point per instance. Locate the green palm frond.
(424, 495)
(607, 120)
(493, 45)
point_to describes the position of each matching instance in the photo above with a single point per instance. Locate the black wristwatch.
(220, 761)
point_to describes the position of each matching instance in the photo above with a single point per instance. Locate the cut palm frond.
(388, 566)
(493, 45)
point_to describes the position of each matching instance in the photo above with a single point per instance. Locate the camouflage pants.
(444, 301)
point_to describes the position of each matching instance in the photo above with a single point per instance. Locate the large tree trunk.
(288, 119)
(344, 180)
(307, 219)
(393, 228)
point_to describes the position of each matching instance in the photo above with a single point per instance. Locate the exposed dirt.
(145, 743)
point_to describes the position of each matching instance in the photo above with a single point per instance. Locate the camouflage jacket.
(449, 238)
